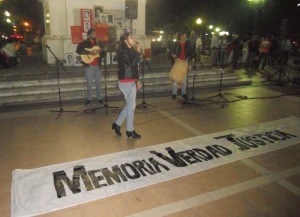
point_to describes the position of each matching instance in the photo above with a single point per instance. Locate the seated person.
(9, 50)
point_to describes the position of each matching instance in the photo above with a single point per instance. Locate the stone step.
(112, 94)
(79, 93)
(50, 72)
(41, 86)
(11, 89)
(110, 77)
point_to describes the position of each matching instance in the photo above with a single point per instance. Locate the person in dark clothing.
(253, 52)
(128, 56)
(237, 47)
(274, 48)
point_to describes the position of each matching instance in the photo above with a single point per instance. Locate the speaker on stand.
(131, 11)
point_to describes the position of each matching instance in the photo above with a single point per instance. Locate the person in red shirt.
(182, 50)
(92, 69)
(264, 53)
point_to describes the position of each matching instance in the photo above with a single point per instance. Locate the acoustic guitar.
(88, 58)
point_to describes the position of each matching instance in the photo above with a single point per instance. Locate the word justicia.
(256, 140)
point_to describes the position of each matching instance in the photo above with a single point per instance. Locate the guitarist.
(92, 70)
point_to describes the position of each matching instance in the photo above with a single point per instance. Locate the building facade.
(67, 21)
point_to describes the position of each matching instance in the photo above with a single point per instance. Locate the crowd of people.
(223, 51)
(255, 52)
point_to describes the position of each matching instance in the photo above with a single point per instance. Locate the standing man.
(199, 47)
(286, 48)
(92, 69)
(182, 50)
(264, 52)
(214, 50)
(10, 53)
(128, 54)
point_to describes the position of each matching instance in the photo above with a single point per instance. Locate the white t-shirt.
(10, 50)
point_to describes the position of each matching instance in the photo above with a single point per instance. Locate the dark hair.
(90, 31)
(124, 37)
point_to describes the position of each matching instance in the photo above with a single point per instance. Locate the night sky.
(234, 15)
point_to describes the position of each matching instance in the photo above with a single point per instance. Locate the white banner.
(46, 189)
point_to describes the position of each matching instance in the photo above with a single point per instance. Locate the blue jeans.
(129, 91)
(175, 87)
(93, 73)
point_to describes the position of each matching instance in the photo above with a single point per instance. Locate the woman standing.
(128, 55)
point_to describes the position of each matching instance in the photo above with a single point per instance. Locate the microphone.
(138, 43)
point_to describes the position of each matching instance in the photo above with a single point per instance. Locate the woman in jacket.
(128, 55)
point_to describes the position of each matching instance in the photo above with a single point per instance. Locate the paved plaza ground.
(37, 137)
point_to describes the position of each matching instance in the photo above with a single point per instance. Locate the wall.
(66, 13)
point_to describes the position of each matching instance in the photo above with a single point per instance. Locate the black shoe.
(133, 134)
(173, 97)
(88, 102)
(117, 129)
(100, 101)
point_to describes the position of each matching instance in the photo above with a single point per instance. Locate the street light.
(199, 21)
(255, 1)
(6, 13)
(255, 4)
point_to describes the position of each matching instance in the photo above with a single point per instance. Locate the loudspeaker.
(131, 9)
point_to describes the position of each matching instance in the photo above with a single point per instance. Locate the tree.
(24, 10)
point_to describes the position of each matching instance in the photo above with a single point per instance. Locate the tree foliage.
(236, 16)
(24, 10)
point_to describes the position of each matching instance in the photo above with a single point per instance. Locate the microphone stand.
(186, 101)
(220, 89)
(144, 104)
(58, 62)
(193, 98)
(106, 106)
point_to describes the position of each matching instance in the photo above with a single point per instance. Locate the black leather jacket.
(87, 44)
(188, 49)
(128, 63)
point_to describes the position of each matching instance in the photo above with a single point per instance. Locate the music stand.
(106, 106)
(58, 62)
(144, 104)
